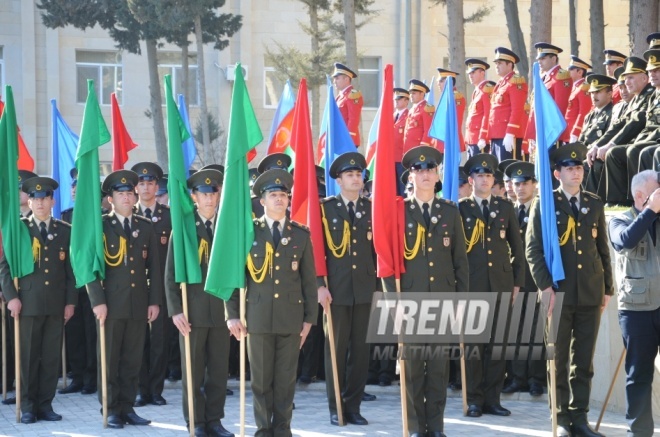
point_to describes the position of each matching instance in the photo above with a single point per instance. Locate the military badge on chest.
(294, 265)
(62, 254)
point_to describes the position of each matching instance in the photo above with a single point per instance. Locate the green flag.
(87, 248)
(15, 235)
(234, 232)
(182, 209)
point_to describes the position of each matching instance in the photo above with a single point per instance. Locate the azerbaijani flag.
(371, 143)
(279, 140)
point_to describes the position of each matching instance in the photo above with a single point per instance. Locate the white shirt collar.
(204, 219)
(121, 218)
(479, 199)
(568, 197)
(421, 203)
(270, 221)
(143, 207)
(38, 222)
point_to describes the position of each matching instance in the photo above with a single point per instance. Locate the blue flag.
(284, 106)
(430, 96)
(188, 146)
(337, 140)
(64, 146)
(550, 124)
(444, 127)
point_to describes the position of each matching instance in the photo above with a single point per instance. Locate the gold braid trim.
(114, 260)
(36, 250)
(203, 250)
(258, 275)
(409, 254)
(570, 230)
(477, 234)
(337, 250)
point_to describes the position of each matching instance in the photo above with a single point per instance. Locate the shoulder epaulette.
(563, 74)
(464, 199)
(447, 202)
(488, 87)
(67, 210)
(366, 199)
(458, 95)
(62, 223)
(300, 226)
(144, 219)
(429, 108)
(584, 87)
(517, 79)
(328, 199)
(354, 94)
(25, 219)
(164, 206)
(590, 194)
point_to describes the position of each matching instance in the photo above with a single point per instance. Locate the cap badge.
(519, 172)
(484, 164)
(279, 162)
(207, 181)
(144, 171)
(352, 161)
(38, 187)
(573, 154)
(652, 59)
(277, 181)
(595, 82)
(123, 180)
(422, 158)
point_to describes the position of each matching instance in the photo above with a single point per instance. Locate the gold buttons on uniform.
(131, 258)
(46, 282)
(354, 267)
(430, 249)
(354, 241)
(579, 237)
(431, 264)
(133, 285)
(46, 271)
(277, 267)
(431, 279)
(579, 266)
(488, 239)
(132, 272)
(277, 255)
(276, 296)
(46, 259)
(579, 252)
(490, 252)
(277, 281)
(354, 253)
(490, 264)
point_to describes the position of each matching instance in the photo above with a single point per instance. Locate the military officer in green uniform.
(80, 331)
(525, 373)
(156, 346)
(350, 259)
(24, 175)
(282, 304)
(128, 298)
(435, 262)
(45, 299)
(209, 336)
(496, 255)
(587, 286)
(269, 162)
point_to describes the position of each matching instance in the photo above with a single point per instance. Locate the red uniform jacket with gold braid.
(559, 83)
(459, 100)
(579, 105)
(476, 125)
(418, 124)
(507, 107)
(616, 94)
(399, 130)
(350, 104)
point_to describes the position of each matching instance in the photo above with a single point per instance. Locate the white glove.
(481, 144)
(573, 139)
(508, 142)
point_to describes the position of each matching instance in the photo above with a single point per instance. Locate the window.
(170, 63)
(273, 88)
(105, 69)
(369, 74)
(2, 71)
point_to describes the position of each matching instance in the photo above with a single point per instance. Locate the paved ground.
(310, 419)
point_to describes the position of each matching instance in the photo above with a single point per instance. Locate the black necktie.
(276, 233)
(44, 231)
(209, 229)
(396, 117)
(351, 211)
(484, 208)
(574, 206)
(521, 214)
(425, 213)
(147, 213)
(127, 228)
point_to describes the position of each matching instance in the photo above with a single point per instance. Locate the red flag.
(251, 154)
(388, 227)
(305, 206)
(121, 140)
(25, 161)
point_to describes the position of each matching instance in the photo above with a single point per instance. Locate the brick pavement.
(529, 417)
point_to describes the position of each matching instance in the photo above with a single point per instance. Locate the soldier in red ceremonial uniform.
(556, 80)
(507, 117)
(349, 100)
(614, 60)
(459, 100)
(401, 100)
(476, 126)
(419, 118)
(579, 102)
